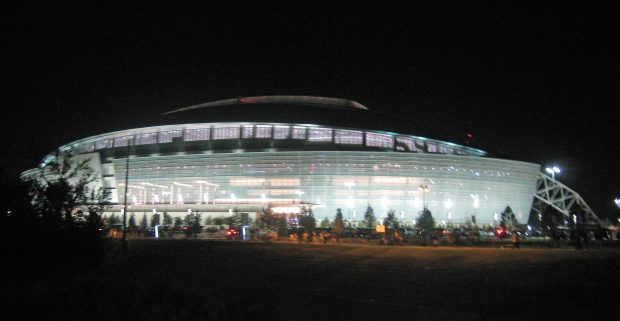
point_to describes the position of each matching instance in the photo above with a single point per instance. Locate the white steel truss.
(566, 201)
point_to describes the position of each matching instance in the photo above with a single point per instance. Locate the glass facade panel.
(167, 136)
(379, 140)
(298, 132)
(123, 141)
(431, 148)
(263, 131)
(349, 137)
(105, 143)
(226, 132)
(281, 132)
(459, 187)
(146, 138)
(247, 131)
(196, 134)
(319, 134)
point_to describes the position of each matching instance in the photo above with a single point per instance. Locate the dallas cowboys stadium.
(289, 152)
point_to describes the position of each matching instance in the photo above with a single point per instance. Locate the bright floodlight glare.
(617, 201)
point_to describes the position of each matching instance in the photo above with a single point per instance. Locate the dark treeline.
(51, 222)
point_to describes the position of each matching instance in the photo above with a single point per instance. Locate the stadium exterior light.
(552, 171)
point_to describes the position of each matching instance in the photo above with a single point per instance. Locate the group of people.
(314, 236)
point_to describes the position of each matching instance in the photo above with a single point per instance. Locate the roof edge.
(327, 102)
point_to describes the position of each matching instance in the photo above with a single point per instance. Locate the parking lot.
(189, 279)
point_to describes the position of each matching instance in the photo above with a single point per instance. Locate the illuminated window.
(298, 133)
(106, 143)
(197, 134)
(379, 140)
(146, 138)
(263, 131)
(122, 141)
(431, 148)
(446, 150)
(247, 131)
(167, 136)
(280, 132)
(225, 132)
(319, 134)
(349, 137)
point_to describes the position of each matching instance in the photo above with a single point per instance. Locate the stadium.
(290, 152)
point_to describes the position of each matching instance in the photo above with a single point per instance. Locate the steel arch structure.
(557, 195)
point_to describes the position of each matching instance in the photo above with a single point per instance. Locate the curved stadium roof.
(304, 111)
(325, 111)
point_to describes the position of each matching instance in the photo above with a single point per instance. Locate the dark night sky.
(534, 82)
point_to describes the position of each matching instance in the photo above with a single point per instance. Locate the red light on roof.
(247, 100)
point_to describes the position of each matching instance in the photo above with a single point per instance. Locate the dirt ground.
(220, 280)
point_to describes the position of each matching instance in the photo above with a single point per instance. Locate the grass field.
(219, 280)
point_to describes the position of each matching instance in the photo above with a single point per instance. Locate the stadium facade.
(213, 166)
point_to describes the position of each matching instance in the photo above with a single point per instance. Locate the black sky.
(534, 82)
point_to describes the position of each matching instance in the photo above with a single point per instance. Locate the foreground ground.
(219, 280)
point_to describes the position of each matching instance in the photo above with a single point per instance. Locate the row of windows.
(276, 132)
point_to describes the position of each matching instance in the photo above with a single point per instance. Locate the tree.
(236, 220)
(97, 203)
(177, 224)
(369, 217)
(192, 221)
(209, 220)
(132, 226)
(62, 186)
(144, 224)
(325, 223)
(167, 219)
(218, 221)
(306, 219)
(196, 227)
(425, 220)
(282, 225)
(267, 220)
(338, 223)
(391, 222)
(508, 219)
(63, 204)
(113, 220)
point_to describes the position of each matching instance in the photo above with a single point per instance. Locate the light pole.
(617, 201)
(552, 171)
(424, 189)
(124, 239)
